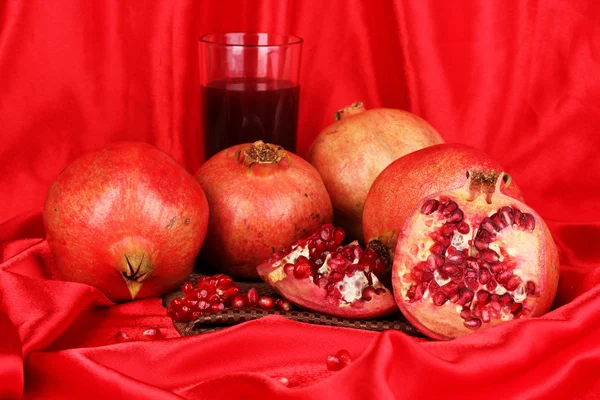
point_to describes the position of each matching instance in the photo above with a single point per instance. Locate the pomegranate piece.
(504, 266)
(344, 282)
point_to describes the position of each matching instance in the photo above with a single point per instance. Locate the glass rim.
(291, 39)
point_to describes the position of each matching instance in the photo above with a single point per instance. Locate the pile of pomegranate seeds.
(483, 280)
(338, 361)
(216, 293)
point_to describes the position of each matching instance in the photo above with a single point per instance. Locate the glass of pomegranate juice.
(249, 89)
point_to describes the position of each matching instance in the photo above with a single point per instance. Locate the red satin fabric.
(518, 80)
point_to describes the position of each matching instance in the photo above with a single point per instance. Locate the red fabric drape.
(517, 79)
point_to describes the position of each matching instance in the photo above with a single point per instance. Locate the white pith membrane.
(350, 287)
(495, 298)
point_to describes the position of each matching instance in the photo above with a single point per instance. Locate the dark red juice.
(244, 111)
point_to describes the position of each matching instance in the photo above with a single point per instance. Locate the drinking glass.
(249, 89)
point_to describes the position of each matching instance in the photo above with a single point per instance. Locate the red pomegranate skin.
(128, 204)
(257, 210)
(350, 153)
(412, 177)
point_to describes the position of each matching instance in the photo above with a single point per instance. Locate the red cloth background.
(517, 79)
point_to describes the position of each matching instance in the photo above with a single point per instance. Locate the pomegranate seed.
(485, 316)
(333, 363)
(480, 244)
(430, 206)
(450, 289)
(529, 222)
(491, 285)
(217, 307)
(457, 217)
(202, 305)
(326, 232)
(238, 301)
(513, 283)
(427, 276)
(344, 356)
(151, 334)
(517, 214)
(489, 256)
(505, 299)
(266, 302)
(177, 302)
(339, 235)
(196, 315)
(187, 287)
(121, 337)
(497, 219)
(302, 270)
(437, 249)
(530, 287)
(284, 381)
(450, 269)
(484, 276)
(283, 305)
(202, 294)
(496, 306)
(289, 268)
(465, 314)
(439, 299)
(456, 258)
(411, 292)
(506, 213)
(463, 228)
(504, 277)
(466, 296)
(449, 208)
(473, 323)
(483, 297)
(420, 291)
(252, 297)
(489, 225)
(516, 309)
(228, 293)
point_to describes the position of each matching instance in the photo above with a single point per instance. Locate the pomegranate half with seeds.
(319, 274)
(471, 258)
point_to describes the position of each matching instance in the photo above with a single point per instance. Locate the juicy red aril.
(217, 307)
(302, 270)
(266, 303)
(151, 334)
(238, 301)
(121, 337)
(473, 323)
(344, 356)
(339, 235)
(463, 228)
(187, 287)
(430, 206)
(333, 363)
(252, 297)
(284, 381)
(283, 305)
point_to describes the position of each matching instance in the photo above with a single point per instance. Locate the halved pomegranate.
(471, 258)
(319, 274)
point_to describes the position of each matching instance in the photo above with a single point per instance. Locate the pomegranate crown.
(261, 153)
(486, 182)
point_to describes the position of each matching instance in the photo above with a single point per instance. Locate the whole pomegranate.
(350, 153)
(127, 219)
(261, 198)
(318, 273)
(410, 178)
(471, 258)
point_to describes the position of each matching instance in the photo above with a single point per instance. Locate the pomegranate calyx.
(136, 270)
(354, 108)
(485, 182)
(262, 153)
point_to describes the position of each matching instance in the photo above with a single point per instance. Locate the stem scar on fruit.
(262, 153)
